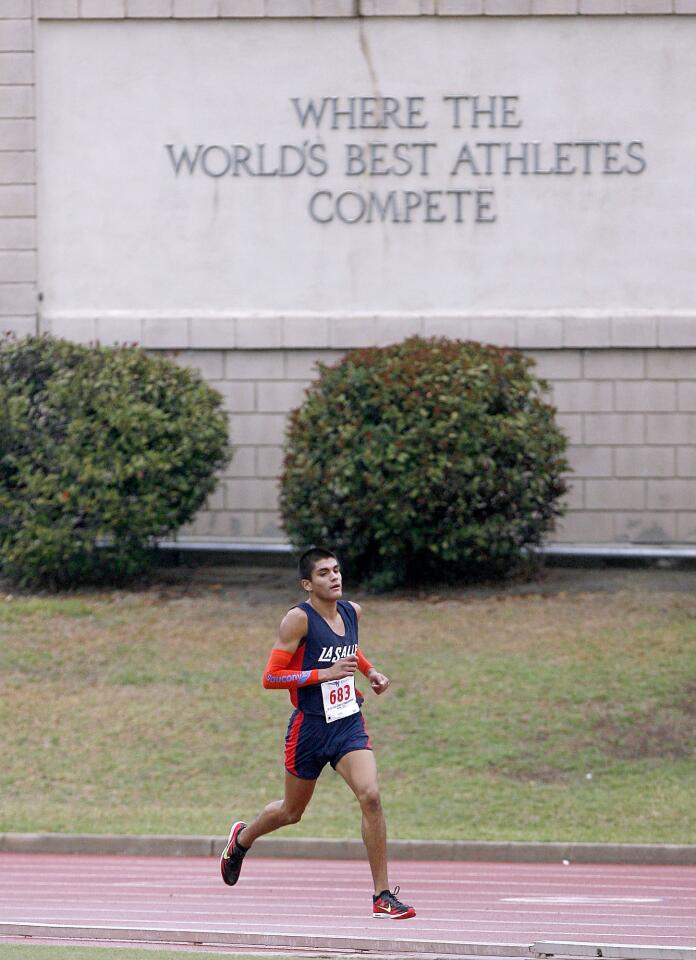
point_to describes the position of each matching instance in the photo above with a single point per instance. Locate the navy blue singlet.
(320, 648)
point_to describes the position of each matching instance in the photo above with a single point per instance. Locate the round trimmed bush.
(435, 459)
(102, 449)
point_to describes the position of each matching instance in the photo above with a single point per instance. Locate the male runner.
(315, 657)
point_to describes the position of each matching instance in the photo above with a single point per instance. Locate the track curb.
(352, 849)
(400, 946)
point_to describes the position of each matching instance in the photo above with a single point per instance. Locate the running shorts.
(311, 742)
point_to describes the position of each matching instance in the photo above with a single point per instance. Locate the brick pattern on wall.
(17, 169)
(630, 416)
(259, 388)
(228, 9)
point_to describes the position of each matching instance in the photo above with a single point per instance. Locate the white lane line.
(252, 894)
(193, 903)
(143, 862)
(567, 876)
(288, 866)
(264, 869)
(647, 907)
(571, 900)
(216, 898)
(64, 916)
(260, 884)
(651, 905)
(96, 863)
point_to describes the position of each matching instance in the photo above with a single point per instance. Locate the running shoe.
(386, 905)
(232, 856)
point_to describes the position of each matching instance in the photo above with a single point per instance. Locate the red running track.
(458, 904)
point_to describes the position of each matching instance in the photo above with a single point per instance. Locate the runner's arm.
(277, 676)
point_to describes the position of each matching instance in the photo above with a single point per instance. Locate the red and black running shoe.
(386, 905)
(233, 855)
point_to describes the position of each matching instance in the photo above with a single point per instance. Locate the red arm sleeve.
(364, 665)
(276, 676)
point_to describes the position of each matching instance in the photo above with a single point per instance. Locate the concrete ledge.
(319, 9)
(109, 844)
(404, 946)
(615, 951)
(352, 849)
(263, 330)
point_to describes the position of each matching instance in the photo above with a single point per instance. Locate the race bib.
(339, 698)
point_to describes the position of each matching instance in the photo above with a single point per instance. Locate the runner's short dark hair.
(312, 556)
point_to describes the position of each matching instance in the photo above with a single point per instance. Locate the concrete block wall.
(260, 387)
(18, 267)
(629, 414)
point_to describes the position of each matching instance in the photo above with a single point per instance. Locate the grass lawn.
(538, 715)
(9, 951)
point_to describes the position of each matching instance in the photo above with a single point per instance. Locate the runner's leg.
(359, 769)
(280, 813)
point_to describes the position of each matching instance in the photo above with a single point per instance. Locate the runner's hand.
(345, 667)
(378, 681)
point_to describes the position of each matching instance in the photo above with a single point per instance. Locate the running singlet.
(318, 649)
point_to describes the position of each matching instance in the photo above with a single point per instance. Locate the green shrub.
(101, 450)
(426, 459)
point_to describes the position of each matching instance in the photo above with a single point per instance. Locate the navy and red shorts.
(311, 742)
